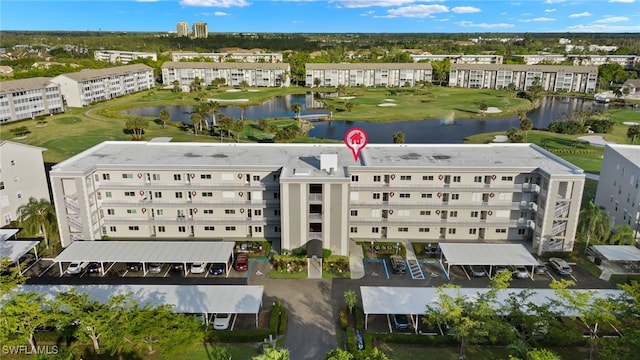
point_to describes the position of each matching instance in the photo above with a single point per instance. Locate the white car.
(198, 268)
(76, 268)
(221, 321)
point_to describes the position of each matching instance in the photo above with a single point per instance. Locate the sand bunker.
(631, 123)
(346, 97)
(500, 139)
(234, 90)
(492, 110)
(386, 105)
(389, 100)
(228, 100)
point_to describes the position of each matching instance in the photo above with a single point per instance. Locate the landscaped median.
(294, 264)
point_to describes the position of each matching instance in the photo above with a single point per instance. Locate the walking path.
(356, 256)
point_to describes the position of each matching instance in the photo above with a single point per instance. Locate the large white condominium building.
(90, 86)
(22, 177)
(28, 98)
(122, 57)
(291, 194)
(552, 77)
(200, 30)
(234, 73)
(619, 185)
(460, 58)
(182, 29)
(368, 74)
(222, 57)
(626, 61)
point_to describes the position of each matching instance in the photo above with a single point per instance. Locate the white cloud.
(368, 13)
(550, 10)
(611, 19)
(220, 13)
(485, 25)
(539, 19)
(417, 11)
(554, 1)
(582, 14)
(600, 28)
(215, 3)
(465, 9)
(503, 14)
(353, 4)
(622, 1)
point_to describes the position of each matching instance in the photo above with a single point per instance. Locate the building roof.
(94, 74)
(189, 299)
(14, 249)
(13, 143)
(124, 52)
(618, 252)
(632, 82)
(25, 84)
(487, 254)
(306, 157)
(520, 67)
(367, 66)
(630, 152)
(148, 251)
(224, 65)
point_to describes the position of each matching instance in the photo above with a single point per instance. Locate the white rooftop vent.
(328, 162)
(301, 172)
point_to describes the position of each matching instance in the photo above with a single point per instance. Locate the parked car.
(221, 321)
(475, 270)
(492, 270)
(398, 264)
(520, 272)
(94, 268)
(560, 266)
(76, 268)
(242, 262)
(359, 341)
(155, 268)
(216, 269)
(135, 267)
(198, 268)
(177, 267)
(540, 269)
(400, 321)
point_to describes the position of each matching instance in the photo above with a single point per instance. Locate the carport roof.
(618, 252)
(414, 300)
(487, 254)
(210, 299)
(148, 251)
(14, 249)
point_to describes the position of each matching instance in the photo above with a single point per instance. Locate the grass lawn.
(403, 351)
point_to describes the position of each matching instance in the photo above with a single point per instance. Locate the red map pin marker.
(356, 139)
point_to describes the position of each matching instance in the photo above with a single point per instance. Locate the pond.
(442, 131)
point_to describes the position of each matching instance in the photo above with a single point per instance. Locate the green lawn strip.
(403, 351)
(205, 351)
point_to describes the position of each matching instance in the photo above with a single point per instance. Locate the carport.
(486, 254)
(13, 250)
(186, 299)
(217, 252)
(627, 255)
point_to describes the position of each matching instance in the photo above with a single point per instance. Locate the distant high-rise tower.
(183, 29)
(200, 30)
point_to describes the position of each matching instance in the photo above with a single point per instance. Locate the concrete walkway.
(356, 257)
(411, 254)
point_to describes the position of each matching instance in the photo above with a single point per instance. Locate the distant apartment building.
(552, 77)
(182, 29)
(626, 61)
(543, 59)
(200, 30)
(234, 73)
(292, 194)
(460, 59)
(222, 57)
(28, 98)
(122, 57)
(90, 86)
(619, 185)
(22, 177)
(367, 74)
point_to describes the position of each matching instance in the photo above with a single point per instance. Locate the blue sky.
(325, 15)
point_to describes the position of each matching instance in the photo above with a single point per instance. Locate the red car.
(242, 262)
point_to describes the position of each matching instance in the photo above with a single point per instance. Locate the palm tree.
(398, 137)
(349, 106)
(176, 86)
(196, 121)
(38, 217)
(593, 221)
(297, 109)
(633, 132)
(621, 235)
(525, 125)
(244, 84)
(482, 107)
(273, 354)
(164, 117)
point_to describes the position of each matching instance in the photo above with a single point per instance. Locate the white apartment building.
(552, 77)
(291, 194)
(122, 57)
(460, 58)
(90, 86)
(368, 74)
(182, 29)
(255, 74)
(28, 98)
(619, 185)
(200, 30)
(22, 176)
(626, 61)
(536, 59)
(222, 57)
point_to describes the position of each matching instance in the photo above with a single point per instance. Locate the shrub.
(282, 326)
(342, 316)
(241, 336)
(326, 253)
(359, 318)
(275, 316)
(415, 339)
(351, 340)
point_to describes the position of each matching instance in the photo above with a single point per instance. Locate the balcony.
(529, 187)
(72, 204)
(315, 197)
(557, 229)
(315, 216)
(75, 223)
(563, 208)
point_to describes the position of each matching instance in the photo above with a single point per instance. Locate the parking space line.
(47, 269)
(386, 270)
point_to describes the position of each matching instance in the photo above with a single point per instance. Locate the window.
(112, 228)
(376, 196)
(501, 231)
(229, 211)
(106, 177)
(451, 231)
(257, 229)
(405, 177)
(375, 229)
(423, 229)
(456, 179)
(162, 229)
(209, 228)
(507, 178)
(403, 229)
(205, 176)
(427, 178)
(376, 178)
(353, 229)
(354, 212)
(207, 194)
(106, 194)
(425, 212)
(132, 211)
(208, 211)
(182, 229)
(230, 228)
(129, 193)
(1, 185)
(177, 177)
(256, 177)
(257, 212)
(405, 195)
(178, 195)
(455, 196)
(474, 214)
(276, 195)
(155, 177)
(127, 176)
(276, 229)
(427, 196)
(134, 228)
(521, 231)
(355, 178)
(111, 211)
(276, 177)
(160, 212)
(477, 179)
(158, 194)
(276, 212)
(453, 214)
(473, 231)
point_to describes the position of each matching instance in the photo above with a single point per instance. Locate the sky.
(325, 16)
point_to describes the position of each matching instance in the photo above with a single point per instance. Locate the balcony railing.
(315, 197)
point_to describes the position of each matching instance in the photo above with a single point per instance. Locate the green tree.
(536, 90)
(263, 124)
(317, 82)
(628, 305)
(593, 222)
(611, 74)
(196, 85)
(225, 123)
(526, 125)
(398, 137)
(38, 217)
(176, 86)
(196, 121)
(244, 85)
(10, 278)
(237, 127)
(137, 125)
(633, 132)
(273, 354)
(22, 315)
(622, 234)
(482, 106)
(348, 105)
(339, 354)
(350, 300)
(165, 117)
(341, 89)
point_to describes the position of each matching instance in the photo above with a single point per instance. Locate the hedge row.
(572, 151)
(277, 326)
(351, 340)
(282, 327)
